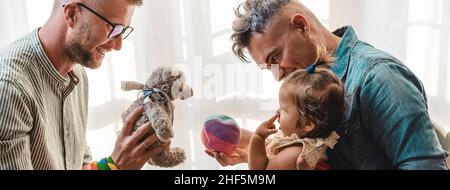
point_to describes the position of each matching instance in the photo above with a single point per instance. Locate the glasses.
(274, 68)
(117, 29)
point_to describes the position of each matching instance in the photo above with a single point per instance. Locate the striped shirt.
(43, 115)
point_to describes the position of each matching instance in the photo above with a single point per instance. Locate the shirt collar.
(48, 67)
(348, 42)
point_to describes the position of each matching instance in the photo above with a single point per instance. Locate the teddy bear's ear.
(175, 72)
(129, 85)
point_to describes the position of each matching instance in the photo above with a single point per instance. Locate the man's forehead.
(124, 15)
(257, 46)
(118, 11)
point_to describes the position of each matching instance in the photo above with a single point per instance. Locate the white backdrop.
(194, 36)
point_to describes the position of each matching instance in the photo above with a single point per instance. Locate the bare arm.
(286, 159)
(258, 159)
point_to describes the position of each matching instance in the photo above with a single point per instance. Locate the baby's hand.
(267, 128)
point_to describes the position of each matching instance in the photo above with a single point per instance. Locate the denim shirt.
(386, 124)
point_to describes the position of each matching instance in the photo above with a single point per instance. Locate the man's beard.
(75, 51)
(78, 54)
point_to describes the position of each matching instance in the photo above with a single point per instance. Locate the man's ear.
(300, 22)
(70, 14)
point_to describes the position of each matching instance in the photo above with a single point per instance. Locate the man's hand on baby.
(132, 151)
(267, 128)
(239, 156)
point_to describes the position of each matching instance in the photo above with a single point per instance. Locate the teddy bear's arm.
(160, 121)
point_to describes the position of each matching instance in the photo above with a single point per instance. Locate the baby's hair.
(319, 96)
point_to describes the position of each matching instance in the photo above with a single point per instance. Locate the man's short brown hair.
(252, 16)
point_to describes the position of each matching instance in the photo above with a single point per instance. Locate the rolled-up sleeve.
(15, 126)
(396, 114)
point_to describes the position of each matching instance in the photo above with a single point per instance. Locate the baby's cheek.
(283, 117)
(282, 122)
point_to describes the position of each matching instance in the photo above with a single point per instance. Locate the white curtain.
(194, 36)
(13, 24)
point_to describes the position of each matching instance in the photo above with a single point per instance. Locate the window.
(428, 52)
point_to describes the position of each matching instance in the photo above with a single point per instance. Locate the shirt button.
(67, 132)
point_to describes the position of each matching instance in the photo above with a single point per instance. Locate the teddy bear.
(165, 85)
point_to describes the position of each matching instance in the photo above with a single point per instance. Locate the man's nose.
(285, 71)
(116, 44)
(275, 68)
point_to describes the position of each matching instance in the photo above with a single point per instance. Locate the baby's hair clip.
(311, 69)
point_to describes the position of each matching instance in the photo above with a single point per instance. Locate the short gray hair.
(254, 18)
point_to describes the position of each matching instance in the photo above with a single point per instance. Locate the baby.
(312, 104)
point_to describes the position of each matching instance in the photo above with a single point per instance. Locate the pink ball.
(221, 133)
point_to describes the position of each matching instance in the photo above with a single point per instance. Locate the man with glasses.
(44, 89)
(386, 123)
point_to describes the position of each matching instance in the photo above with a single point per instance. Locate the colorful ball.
(221, 133)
